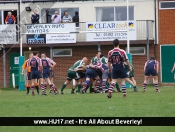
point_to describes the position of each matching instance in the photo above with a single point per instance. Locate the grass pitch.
(14, 103)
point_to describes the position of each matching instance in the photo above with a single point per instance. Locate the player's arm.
(109, 62)
(40, 66)
(145, 66)
(173, 68)
(24, 67)
(157, 67)
(91, 65)
(53, 63)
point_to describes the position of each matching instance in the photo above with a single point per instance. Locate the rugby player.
(104, 60)
(91, 74)
(36, 69)
(130, 77)
(46, 64)
(117, 57)
(151, 68)
(73, 74)
(52, 72)
(24, 67)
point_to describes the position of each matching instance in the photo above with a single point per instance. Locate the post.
(51, 52)
(21, 77)
(20, 28)
(128, 44)
(21, 58)
(4, 66)
(147, 38)
(99, 47)
(13, 80)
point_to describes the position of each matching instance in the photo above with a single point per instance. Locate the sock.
(55, 89)
(43, 88)
(63, 87)
(117, 86)
(156, 86)
(28, 88)
(124, 89)
(84, 86)
(87, 87)
(32, 89)
(134, 87)
(79, 87)
(103, 86)
(37, 89)
(144, 86)
(111, 87)
(51, 87)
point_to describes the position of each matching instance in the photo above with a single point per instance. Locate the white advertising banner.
(50, 38)
(120, 26)
(8, 34)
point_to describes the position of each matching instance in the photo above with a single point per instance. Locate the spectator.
(35, 18)
(56, 18)
(10, 19)
(66, 17)
(76, 19)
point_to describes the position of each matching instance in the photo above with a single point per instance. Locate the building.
(141, 12)
(166, 18)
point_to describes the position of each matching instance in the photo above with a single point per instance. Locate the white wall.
(143, 10)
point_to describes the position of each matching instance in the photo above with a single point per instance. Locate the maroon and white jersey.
(117, 57)
(34, 63)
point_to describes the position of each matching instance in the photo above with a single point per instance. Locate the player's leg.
(123, 84)
(156, 83)
(111, 87)
(70, 75)
(36, 85)
(74, 86)
(104, 80)
(147, 74)
(33, 76)
(28, 85)
(145, 83)
(132, 83)
(65, 84)
(155, 77)
(122, 75)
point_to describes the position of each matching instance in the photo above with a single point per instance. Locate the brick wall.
(166, 24)
(78, 52)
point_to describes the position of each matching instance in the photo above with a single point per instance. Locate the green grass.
(14, 103)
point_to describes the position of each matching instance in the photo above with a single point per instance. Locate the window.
(62, 52)
(114, 13)
(47, 13)
(137, 50)
(105, 14)
(167, 5)
(1, 17)
(121, 13)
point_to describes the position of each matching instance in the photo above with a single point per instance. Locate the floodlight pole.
(128, 44)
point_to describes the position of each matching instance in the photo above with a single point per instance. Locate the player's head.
(85, 60)
(35, 53)
(43, 55)
(30, 55)
(152, 58)
(116, 43)
(98, 54)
